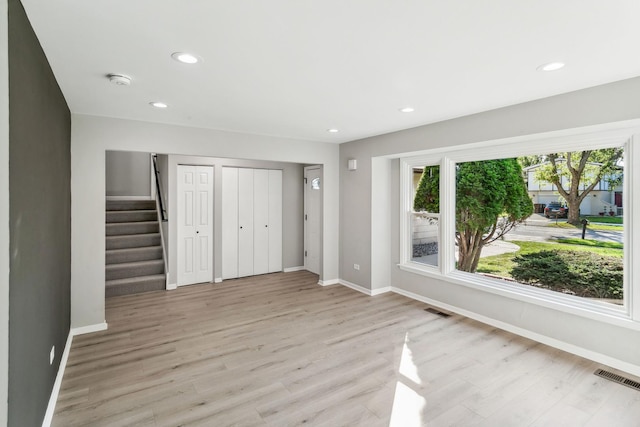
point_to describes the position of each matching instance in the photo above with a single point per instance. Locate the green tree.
(571, 170)
(491, 198)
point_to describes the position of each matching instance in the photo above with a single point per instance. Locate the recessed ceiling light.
(157, 104)
(185, 58)
(333, 130)
(407, 110)
(551, 66)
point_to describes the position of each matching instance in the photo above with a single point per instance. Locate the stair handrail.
(156, 173)
(162, 214)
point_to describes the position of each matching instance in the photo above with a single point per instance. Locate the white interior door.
(229, 223)
(275, 221)
(312, 214)
(245, 222)
(260, 221)
(195, 224)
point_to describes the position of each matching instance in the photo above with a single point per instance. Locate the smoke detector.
(119, 79)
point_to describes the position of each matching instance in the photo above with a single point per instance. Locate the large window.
(548, 224)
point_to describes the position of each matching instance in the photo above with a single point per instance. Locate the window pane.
(425, 215)
(521, 220)
(424, 239)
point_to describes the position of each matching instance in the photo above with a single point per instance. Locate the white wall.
(292, 209)
(4, 213)
(92, 136)
(361, 241)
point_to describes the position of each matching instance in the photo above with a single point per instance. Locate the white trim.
(292, 269)
(328, 282)
(217, 280)
(355, 287)
(369, 292)
(89, 329)
(53, 399)
(573, 349)
(129, 198)
(171, 286)
(380, 291)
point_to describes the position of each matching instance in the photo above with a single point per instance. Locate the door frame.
(320, 232)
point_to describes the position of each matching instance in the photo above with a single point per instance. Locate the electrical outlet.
(356, 266)
(52, 355)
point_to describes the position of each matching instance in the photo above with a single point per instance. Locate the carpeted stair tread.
(132, 241)
(134, 285)
(118, 256)
(134, 257)
(129, 205)
(139, 227)
(134, 269)
(131, 216)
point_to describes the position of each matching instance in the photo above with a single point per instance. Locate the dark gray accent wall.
(40, 223)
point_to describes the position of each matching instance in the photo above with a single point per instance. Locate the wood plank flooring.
(280, 350)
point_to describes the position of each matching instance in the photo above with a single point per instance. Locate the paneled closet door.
(245, 222)
(195, 224)
(275, 221)
(260, 221)
(229, 223)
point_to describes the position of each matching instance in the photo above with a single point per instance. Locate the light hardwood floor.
(281, 350)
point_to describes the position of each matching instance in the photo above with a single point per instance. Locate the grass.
(596, 227)
(604, 219)
(501, 265)
(591, 243)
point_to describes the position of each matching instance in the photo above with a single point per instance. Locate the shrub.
(583, 274)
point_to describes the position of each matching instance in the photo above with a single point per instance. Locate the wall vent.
(617, 379)
(434, 311)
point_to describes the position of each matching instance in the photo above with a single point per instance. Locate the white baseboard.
(172, 286)
(129, 198)
(552, 342)
(355, 287)
(51, 408)
(89, 329)
(379, 291)
(217, 280)
(328, 282)
(292, 269)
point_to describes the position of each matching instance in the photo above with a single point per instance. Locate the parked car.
(556, 210)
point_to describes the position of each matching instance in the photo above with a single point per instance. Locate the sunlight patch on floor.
(408, 404)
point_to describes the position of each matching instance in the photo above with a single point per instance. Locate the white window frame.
(627, 315)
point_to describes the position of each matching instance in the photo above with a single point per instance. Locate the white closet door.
(245, 222)
(275, 221)
(229, 223)
(186, 224)
(195, 224)
(204, 224)
(260, 221)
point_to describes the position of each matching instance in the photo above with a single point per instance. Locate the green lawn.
(597, 227)
(501, 265)
(604, 219)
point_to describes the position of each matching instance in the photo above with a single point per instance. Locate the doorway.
(312, 217)
(195, 224)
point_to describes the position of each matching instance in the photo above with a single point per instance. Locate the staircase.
(134, 260)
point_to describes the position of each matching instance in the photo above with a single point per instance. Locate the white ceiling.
(294, 68)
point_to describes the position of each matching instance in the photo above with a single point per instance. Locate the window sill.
(549, 299)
